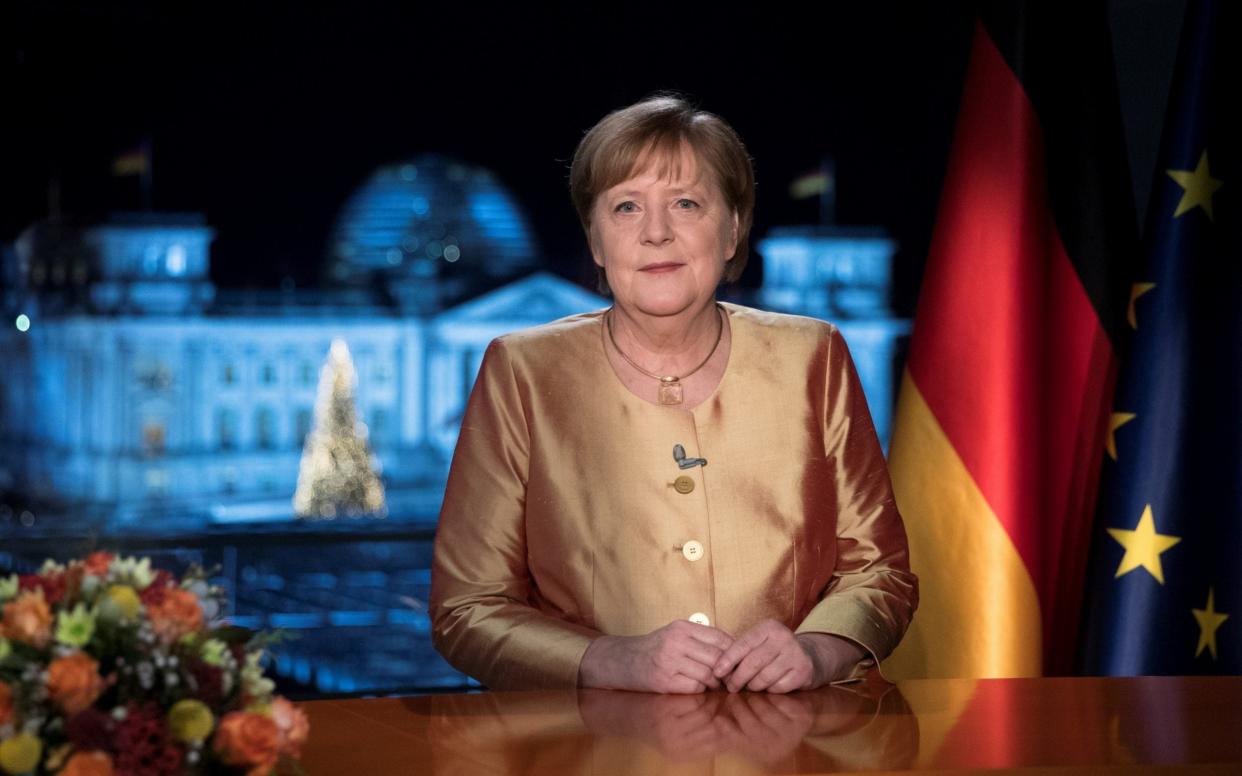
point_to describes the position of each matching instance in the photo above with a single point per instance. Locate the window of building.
(228, 481)
(226, 428)
(308, 373)
(265, 428)
(379, 427)
(176, 259)
(381, 373)
(156, 481)
(268, 374)
(153, 437)
(154, 375)
(228, 374)
(302, 426)
(151, 257)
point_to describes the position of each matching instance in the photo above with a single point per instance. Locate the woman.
(672, 495)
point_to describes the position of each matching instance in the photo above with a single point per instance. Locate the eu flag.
(1164, 593)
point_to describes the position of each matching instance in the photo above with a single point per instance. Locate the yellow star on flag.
(1143, 546)
(1116, 421)
(1198, 186)
(1136, 290)
(1209, 620)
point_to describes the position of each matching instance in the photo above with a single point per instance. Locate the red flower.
(97, 563)
(210, 682)
(250, 740)
(73, 682)
(155, 592)
(90, 729)
(53, 585)
(143, 745)
(6, 703)
(94, 763)
(176, 614)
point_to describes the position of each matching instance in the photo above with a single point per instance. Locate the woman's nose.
(656, 227)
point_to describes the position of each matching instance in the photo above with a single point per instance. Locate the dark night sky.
(266, 116)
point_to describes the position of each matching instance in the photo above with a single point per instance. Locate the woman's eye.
(625, 207)
(687, 204)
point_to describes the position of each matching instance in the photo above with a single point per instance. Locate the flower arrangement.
(111, 668)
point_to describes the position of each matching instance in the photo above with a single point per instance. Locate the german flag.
(1004, 402)
(135, 161)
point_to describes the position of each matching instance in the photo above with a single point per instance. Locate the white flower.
(213, 652)
(8, 588)
(254, 682)
(90, 584)
(51, 567)
(136, 571)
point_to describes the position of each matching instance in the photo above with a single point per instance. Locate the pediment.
(536, 299)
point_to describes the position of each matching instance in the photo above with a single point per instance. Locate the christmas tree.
(337, 475)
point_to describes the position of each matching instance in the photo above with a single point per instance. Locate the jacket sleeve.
(871, 594)
(481, 613)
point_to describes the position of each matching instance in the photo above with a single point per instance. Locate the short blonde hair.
(625, 141)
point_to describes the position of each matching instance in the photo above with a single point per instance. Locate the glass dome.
(431, 221)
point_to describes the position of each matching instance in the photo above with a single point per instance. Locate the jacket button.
(698, 618)
(692, 550)
(683, 484)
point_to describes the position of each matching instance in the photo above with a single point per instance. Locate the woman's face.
(663, 236)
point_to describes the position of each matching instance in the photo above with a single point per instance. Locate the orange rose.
(245, 738)
(73, 682)
(97, 563)
(292, 724)
(28, 619)
(6, 703)
(176, 615)
(92, 763)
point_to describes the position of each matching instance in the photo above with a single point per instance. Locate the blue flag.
(1164, 591)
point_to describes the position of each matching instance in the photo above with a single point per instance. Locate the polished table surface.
(1055, 725)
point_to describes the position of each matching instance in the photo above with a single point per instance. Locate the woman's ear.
(733, 235)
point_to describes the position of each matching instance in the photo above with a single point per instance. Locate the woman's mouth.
(661, 267)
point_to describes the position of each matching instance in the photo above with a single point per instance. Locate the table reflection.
(859, 727)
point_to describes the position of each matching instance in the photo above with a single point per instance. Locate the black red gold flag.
(996, 446)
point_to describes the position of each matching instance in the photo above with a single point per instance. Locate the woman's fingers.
(699, 672)
(708, 635)
(767, 657)
(680, 683)
(737, 652)
(794, 679)
(751, 665)
(687, 650)
(780, 667)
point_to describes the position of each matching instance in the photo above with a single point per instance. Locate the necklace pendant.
(670, 392)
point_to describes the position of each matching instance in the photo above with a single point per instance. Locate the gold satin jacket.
(567, 516)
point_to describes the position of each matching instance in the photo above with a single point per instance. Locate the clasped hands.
(684, 657)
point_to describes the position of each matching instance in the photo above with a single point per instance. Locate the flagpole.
(145, 176)
(828, 192)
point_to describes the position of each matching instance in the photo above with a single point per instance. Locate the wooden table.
(1060, 725)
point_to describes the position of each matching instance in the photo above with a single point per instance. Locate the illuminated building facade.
(137, 391)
